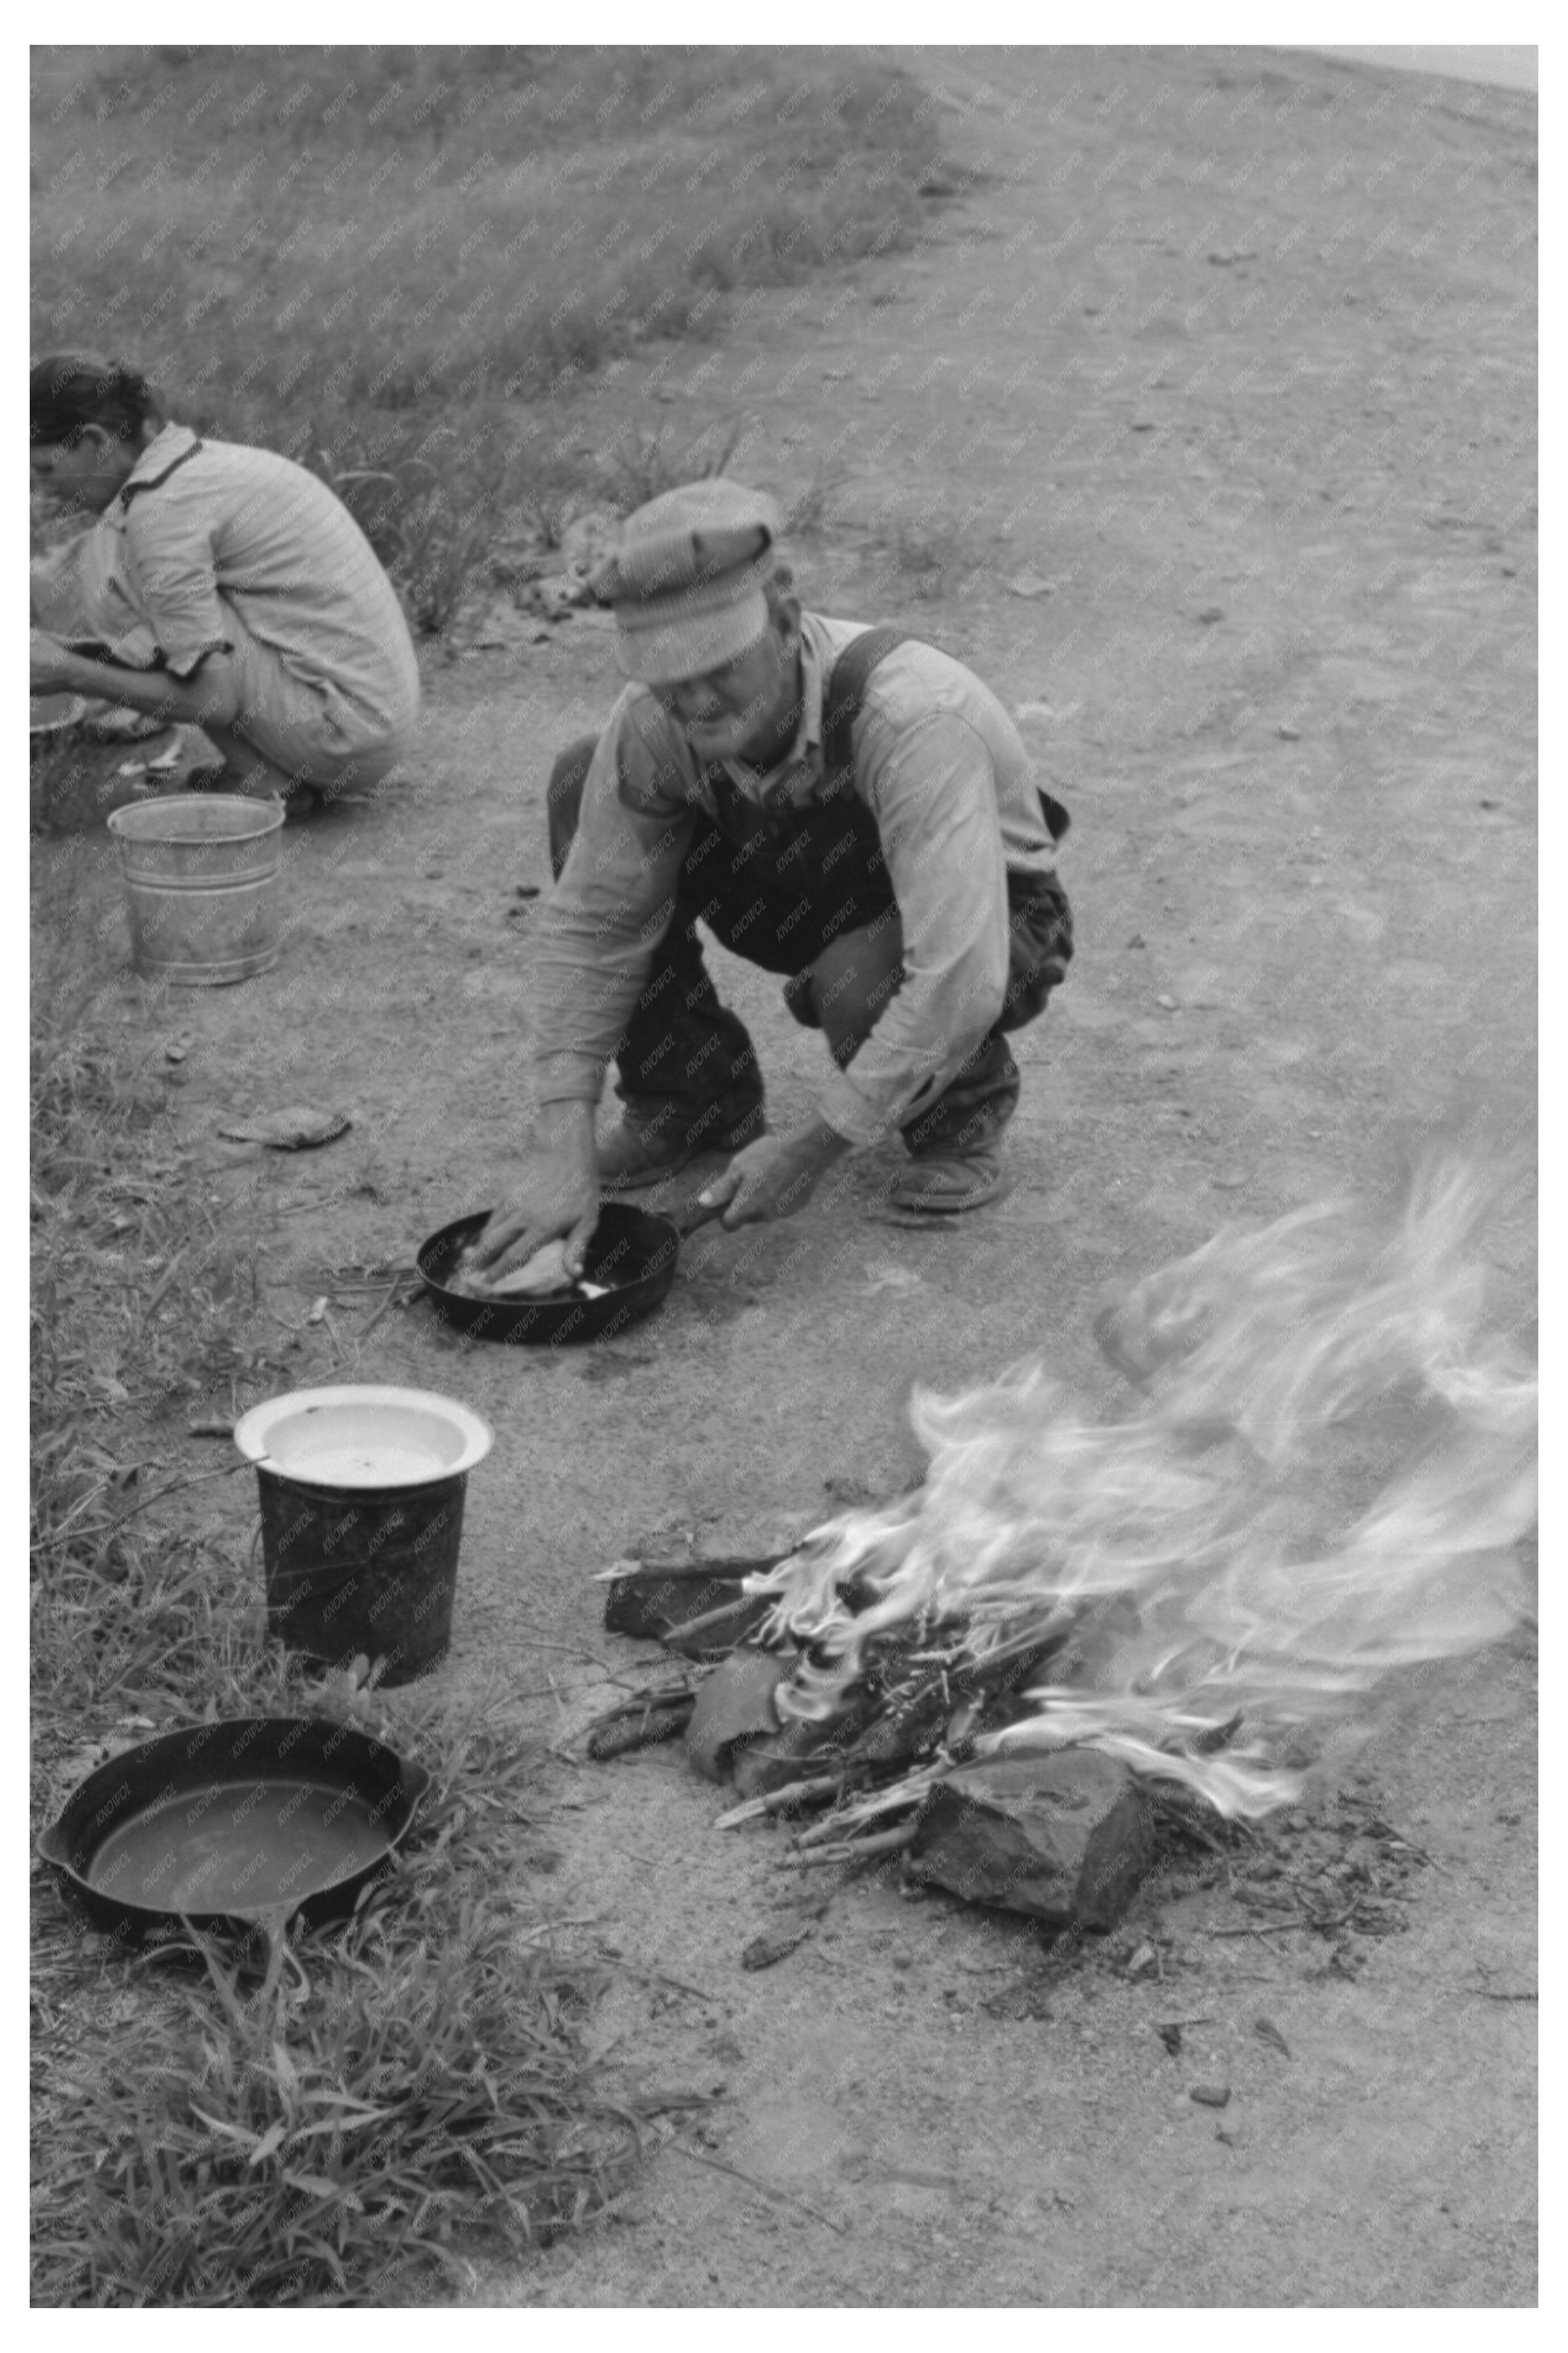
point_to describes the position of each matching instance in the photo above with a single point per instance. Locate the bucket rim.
(253, 1430)
(123, 821)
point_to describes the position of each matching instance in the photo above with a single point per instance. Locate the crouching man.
(844, 807)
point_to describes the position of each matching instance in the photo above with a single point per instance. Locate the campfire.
(1328, 1459)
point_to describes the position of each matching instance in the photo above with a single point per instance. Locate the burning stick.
(1282, 1372)
(898, 1797)
(781, 1802)
(1330, 1460)
(660, 1713)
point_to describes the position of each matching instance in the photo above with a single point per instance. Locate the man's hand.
(51, 667)
(556, 1193)
(774, 1176)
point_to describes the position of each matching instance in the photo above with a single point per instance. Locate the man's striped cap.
(686, 580)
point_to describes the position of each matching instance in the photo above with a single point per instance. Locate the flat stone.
(734, 1706)
(775, 1944)
(297, 1129)
(1064, 1838)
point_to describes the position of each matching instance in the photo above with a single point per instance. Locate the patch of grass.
(143, 1298)
(383, 262)
(394, 2099)
(140, 1303)
(396, 2094)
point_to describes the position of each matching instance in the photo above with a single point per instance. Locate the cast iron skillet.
(632, 1250)
(257, 1818)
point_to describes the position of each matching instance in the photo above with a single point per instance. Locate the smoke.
(1330, 1458)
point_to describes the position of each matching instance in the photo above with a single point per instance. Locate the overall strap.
(841, 702)
(739, 819)
(845, 688)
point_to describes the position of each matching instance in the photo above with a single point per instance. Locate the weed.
(929, 555)
(811, 515)
(433, 529)
(644, 466)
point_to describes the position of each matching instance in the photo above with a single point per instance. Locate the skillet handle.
(701, 1213)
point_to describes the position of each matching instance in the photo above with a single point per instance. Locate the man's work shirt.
(943, 769)
(209, 536)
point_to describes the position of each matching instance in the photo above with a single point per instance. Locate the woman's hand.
(51, 667)
(774, 1176)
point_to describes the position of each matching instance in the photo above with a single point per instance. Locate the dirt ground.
(1238, 353)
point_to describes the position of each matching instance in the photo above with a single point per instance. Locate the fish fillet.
(544, 1276)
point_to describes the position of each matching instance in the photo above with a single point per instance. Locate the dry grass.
(398, 265)
(390, 229)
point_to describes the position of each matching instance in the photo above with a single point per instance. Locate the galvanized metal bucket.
(201, 875)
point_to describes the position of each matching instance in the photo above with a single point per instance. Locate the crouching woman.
(219, 585)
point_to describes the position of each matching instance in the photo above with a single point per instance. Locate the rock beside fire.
(1065, 1838)
(734, 1707)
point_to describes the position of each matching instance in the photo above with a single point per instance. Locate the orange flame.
(1321, 1482)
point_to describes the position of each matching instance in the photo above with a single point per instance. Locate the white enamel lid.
(363, 1437)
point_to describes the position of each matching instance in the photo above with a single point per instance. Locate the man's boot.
(942, 1184)
(955, 1157)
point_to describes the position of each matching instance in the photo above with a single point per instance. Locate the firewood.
(652, 1600)
(653, 1725)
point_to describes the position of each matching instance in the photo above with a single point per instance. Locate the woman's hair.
(67, 390)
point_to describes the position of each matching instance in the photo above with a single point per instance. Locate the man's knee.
(563, 800)
(848, 987)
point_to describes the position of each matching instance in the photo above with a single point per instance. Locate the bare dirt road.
(1230, 357)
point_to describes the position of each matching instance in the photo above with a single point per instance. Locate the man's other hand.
(774, 1176)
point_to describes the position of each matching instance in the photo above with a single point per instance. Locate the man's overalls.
(779, 890)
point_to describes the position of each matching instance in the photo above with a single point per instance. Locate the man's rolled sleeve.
(935, 805)
(169, 541)
(602, 922)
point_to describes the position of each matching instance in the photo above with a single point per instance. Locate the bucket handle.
(319, 1581)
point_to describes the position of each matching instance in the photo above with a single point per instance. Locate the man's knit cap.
(686, 580)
